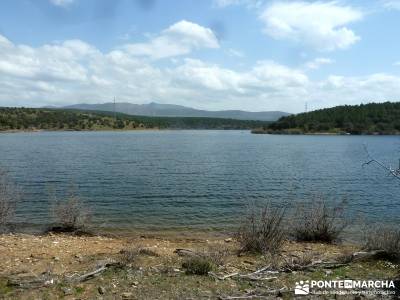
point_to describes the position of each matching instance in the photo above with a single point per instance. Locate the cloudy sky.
(209, 54)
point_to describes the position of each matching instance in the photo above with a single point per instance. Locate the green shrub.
(198, 265)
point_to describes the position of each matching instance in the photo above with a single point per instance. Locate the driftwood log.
(102, 266)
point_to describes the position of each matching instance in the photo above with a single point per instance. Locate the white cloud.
(179, 39)
(62, 3)
(57, 62)
(74, 72)
(340, 90)
(317, 63)
(397, 63)
(321, 25)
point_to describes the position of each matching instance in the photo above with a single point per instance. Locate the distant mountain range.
(169, 110)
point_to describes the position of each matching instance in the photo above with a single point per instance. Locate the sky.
(255, 55)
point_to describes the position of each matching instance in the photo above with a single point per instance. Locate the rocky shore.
(156, 267)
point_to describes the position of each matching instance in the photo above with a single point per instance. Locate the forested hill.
(64, 119)
(373, 118)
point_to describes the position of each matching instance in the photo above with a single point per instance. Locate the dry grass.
(318, 222)
(386, 238)
(295, 262)
(130, 255)
(262, 230)
(161, 277)
(217, 255)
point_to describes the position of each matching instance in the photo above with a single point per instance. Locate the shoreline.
(205, 129)
(122, 130)
(73, 130)
(152, 267)
(323, 133)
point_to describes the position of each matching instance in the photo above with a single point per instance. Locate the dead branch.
(313, 266)
(254, 276)
(30, 282)
(90, 275)
(222, 277)
(371, 160)
(103, 266)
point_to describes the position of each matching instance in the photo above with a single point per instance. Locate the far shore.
(116, 130)
(253, 131)
(72, 130)
(257, 131)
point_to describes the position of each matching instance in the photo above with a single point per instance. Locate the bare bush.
(262, 230)
(70, 215)
(386, 238)
(318, 222)
(8, 198)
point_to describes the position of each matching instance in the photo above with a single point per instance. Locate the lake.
(196, 180)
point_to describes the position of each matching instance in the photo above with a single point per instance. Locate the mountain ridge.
(154, 109)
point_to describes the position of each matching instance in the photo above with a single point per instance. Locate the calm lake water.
(196, 179)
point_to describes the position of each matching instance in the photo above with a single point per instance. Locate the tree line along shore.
(372, 119)
(31, 119)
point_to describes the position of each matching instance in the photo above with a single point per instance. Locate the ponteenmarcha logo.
(347, 286)
(302, 288)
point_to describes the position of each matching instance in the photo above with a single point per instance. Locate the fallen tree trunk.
(102, 267)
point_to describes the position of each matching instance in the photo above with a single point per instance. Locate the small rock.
(56, 258)
(101, 290)
(228, 240)
(67, 291)
(127, 295)
(135, 283)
